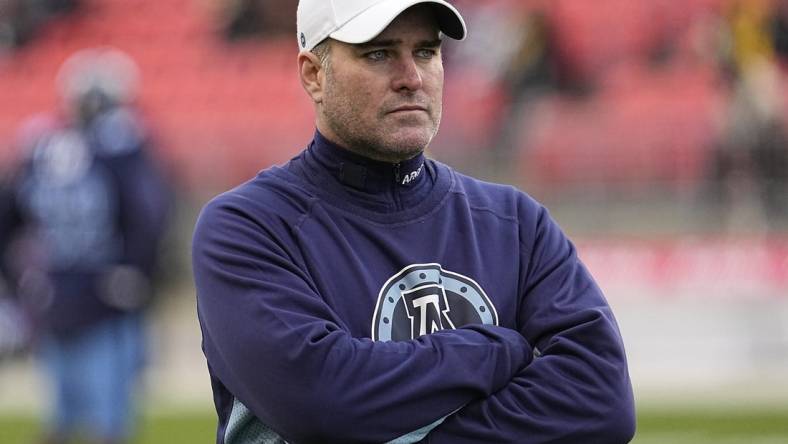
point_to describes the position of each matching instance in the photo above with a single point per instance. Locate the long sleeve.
(145, 207)
(578, 388)
(279, 348)
(119, 138)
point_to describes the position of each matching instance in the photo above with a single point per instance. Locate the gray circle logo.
(424, 298)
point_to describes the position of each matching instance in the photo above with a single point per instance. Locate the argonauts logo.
(424, 298)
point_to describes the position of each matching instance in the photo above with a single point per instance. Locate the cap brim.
(370, 23)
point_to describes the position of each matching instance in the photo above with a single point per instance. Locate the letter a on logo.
(427, 309)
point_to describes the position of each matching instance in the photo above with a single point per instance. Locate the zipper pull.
(396, 173)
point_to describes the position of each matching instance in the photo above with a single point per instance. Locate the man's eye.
(376, 55)
(426, 53)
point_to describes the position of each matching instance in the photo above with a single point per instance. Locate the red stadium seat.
(240, 105)
(649, 128)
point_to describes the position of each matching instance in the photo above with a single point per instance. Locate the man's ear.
(311, 74)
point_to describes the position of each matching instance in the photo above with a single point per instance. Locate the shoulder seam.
(487, 209)
(313, 201)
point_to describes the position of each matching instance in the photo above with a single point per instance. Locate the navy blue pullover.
(113, 214)
(352, 301)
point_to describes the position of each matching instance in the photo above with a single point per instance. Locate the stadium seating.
(220, 111)
(644, 128)
(215, 108)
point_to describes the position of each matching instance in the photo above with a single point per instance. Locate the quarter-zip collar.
(365, 174)
(374, 184)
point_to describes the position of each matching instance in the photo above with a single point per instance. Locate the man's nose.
(408, 75)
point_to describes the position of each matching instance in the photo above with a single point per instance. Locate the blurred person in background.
(530, 73)
(750, 163)
(503, 71)
(88, 208)
(364, 293)
(779, 32)
(21, 19)
(258, 18)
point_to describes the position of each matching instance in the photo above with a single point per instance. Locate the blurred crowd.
(533, 52)
(21, 19)
(555, 92)
(244, 19)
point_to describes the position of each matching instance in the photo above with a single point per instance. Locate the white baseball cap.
(359, 21)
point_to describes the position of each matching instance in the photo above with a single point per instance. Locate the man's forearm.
(573, 392)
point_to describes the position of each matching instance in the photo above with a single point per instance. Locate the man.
(362, 293)
(87, 211)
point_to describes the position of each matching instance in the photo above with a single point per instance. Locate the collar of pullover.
(367, 175)
(379, 190)
(383, 192)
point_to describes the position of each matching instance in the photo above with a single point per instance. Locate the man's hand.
(124, 287)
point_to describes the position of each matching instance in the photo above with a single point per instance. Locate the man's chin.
(396, 152)
(420, 136)
(409, 145)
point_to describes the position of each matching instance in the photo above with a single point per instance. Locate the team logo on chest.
(424, 298)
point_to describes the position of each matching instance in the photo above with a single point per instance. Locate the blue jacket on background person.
(90, 214)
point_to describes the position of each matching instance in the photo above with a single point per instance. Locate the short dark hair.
(322, 50)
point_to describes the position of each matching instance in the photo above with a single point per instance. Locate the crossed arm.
(283, 353)
(578, 388)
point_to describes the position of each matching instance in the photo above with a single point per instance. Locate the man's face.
(382, 99)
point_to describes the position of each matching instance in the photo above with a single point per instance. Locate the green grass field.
(188, 428)
(655, 426)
